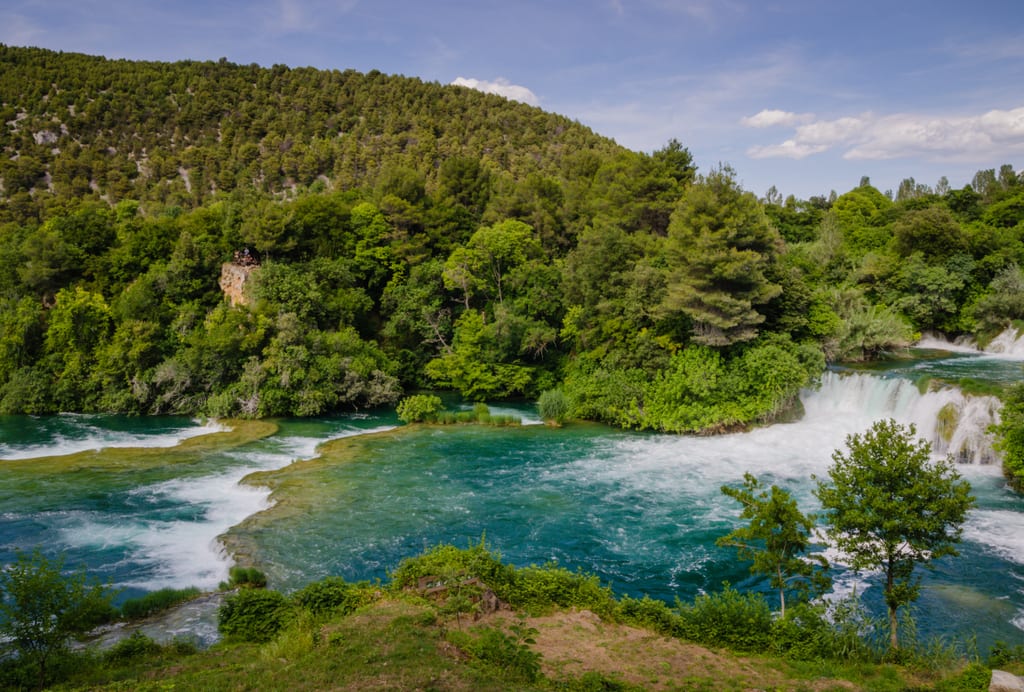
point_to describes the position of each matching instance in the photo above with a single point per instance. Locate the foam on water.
(184, 549)
(1000, 531)
(84, 433)
(1008, 344)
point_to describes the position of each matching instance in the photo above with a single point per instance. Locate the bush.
(332, 595)
(253, 615)
(418, 408)
(536, 589)
(553, 406)
(730, 619)
(42, 609)
(812, 633)
(652, 614)
(137, 645)
(476, 561)
(155, 602)
(244, 577)
(974, 678)
(510, 653)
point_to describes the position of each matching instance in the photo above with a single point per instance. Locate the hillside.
(404, 235)
(177, 133)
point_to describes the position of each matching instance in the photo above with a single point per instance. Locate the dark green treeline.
(413, 235)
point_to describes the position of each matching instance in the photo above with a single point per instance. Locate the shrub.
(418, 408)
(332, 595)
(1002, 653)
(728, 618)
(553, 406)
(155, 602)
(536, 589)
(650, 613)
(244, 577)
(510, 653)
(476, 561)
(137, 645)
(974, 678)
(253, 615)
(814, 633)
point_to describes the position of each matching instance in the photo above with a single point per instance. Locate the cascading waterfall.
(953, 422)
(1008, 344)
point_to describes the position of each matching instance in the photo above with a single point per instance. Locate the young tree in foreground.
(776, 538)
(41, 609)
(890, 507)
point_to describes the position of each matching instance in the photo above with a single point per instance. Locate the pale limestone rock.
(1005, 682)
(233, 281)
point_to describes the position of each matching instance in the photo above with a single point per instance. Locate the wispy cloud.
(777, 118)
(903, 135)
(501, 87)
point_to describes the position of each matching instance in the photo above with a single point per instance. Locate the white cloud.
(903, 135)
(776, 118)
(790, 149)
(501, 87)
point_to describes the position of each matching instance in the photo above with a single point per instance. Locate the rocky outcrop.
(1005, 682)
(234, 279)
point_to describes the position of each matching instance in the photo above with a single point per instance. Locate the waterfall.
(1008, 344)
(954, 423)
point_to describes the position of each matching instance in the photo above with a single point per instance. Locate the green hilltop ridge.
(398, 235)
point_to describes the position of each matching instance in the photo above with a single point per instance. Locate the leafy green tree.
(1010, 435)
(42, 609)
(891, 508)
(720, 245)
(775, 539)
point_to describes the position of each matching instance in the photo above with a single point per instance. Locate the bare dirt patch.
(576, 642)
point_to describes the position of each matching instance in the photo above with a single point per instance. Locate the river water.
(166, 504)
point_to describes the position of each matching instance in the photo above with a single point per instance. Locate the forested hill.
(177, 133)
(400, 235)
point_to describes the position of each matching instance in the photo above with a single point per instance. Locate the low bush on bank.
(156, 602)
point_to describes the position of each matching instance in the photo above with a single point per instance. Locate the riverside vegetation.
(407, 235)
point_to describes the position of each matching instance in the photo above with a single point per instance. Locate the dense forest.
(399, 235)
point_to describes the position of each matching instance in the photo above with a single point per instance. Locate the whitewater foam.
(83, 434)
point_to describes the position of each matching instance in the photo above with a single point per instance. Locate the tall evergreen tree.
(720, 245)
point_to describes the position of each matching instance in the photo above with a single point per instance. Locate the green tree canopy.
(719, 246)
(891, 507)
(775, 539)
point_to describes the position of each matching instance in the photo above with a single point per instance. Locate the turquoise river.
(173, 501)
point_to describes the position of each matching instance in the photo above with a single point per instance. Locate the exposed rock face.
(1005, 682)
(233, 281)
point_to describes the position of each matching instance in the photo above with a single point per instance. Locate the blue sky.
(805, 95)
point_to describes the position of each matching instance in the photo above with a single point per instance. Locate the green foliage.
(1010, 435)
(244, 577)
(138, 645)
(419, 408)
(254, 615)
(814, 632)
(508, 652)
(889, 507)
(652, 614)
(538, 589)
(975, 677)
(42, 609)
(720, 246)
(553, 406)
(332, 595)
(777, 536)
(1002, 654)
(474, 561)
(155, 602)
(728, 618)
